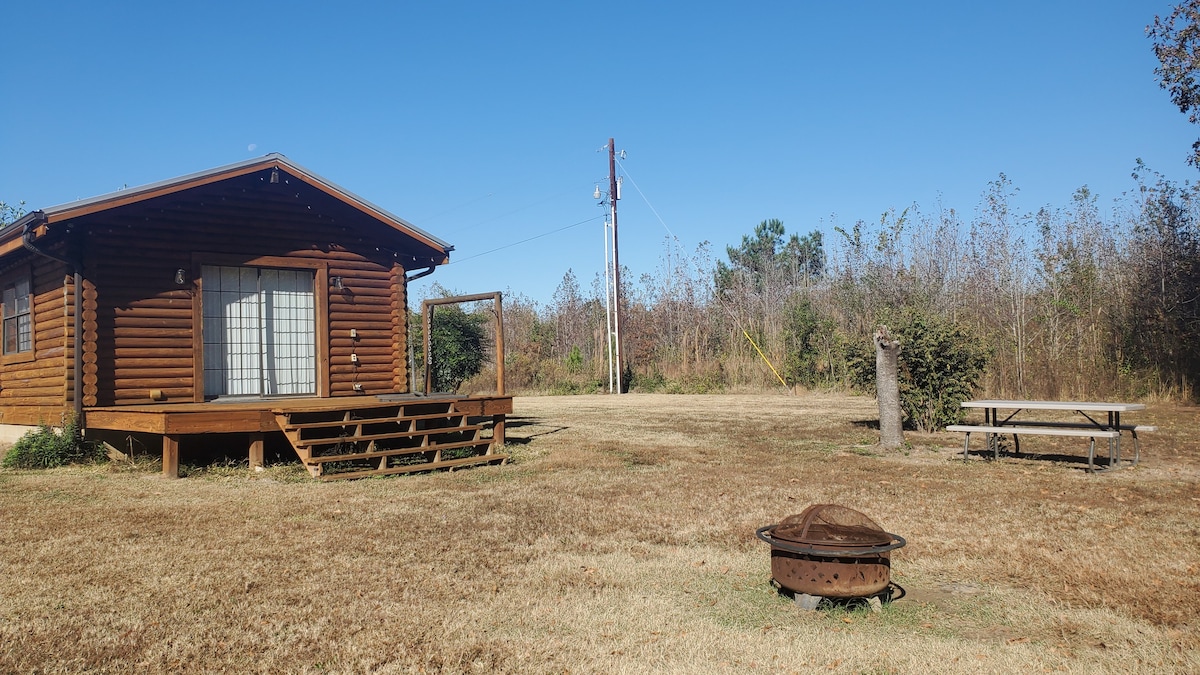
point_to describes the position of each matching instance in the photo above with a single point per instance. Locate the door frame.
(320, 270)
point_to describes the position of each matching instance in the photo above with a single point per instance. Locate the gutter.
(418, 275)
(27, 233)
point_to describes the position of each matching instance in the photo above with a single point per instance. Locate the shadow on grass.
(519, 422)
(1078, 462)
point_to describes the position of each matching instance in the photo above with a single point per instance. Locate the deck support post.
(170, 456)
(497, 433)
(256, 450)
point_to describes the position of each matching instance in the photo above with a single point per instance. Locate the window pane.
(10, 336)
(24, 333)
(22, 292)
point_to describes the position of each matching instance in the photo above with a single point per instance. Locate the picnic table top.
(1054, 405)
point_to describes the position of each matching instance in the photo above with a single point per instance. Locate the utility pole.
(613, 196)
(608, 317)
(612, 312)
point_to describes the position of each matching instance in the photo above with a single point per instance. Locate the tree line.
(1068, 302)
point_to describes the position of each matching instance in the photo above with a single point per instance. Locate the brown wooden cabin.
(244, 301)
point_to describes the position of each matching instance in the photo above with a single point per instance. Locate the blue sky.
(482, 122)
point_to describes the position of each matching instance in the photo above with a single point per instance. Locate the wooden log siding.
(140, 335)
(36, 390)
(365, 305)
(137, 296)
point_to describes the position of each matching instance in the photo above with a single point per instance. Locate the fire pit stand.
(830, 551)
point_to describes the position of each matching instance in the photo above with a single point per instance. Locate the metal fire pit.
(830, 551)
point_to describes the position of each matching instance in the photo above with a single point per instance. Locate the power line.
(526, 241)
(454, 208)
(639, 190)
(519, 209)
(455, 231)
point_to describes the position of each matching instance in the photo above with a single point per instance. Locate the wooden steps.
(373, 438)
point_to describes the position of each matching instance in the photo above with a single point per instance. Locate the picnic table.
(1089, 423)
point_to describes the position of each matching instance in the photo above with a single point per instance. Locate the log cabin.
(248, 302)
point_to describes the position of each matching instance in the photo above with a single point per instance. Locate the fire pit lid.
(831, 525)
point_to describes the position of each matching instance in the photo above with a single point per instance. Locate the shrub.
(44, 447)
(574, 361)
(941, 364)
(809, 337)
(580, 385)
(460, 342)
(648, 383)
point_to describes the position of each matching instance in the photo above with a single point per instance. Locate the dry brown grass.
(619, 540)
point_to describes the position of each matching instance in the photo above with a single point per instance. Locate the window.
(18, 319)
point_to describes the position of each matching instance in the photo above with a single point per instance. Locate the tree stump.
(887, 386)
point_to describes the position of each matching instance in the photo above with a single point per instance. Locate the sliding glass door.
(259, 329)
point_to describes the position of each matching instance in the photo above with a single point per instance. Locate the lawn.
(619, 539)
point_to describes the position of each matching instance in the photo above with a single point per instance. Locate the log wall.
(37, 390)
(139, 332)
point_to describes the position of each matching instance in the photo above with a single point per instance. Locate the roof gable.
(270, 182)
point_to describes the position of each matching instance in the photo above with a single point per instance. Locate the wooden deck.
(360, 436)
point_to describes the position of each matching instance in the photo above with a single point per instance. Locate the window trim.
(11, 279)
(320, 305)
(268, 326)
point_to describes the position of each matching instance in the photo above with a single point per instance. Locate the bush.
(44, 448)
(648, 383)
(460, 343)
(573, 386)
(941, 364)
(574, 361)
(811, 341)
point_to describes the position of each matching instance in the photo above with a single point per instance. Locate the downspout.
(412, 363)
(76, 266)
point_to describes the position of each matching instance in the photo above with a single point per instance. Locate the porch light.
(180, 276)
(274, 175)
(337, 282)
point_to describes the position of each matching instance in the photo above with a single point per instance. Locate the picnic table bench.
(1093, 428)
